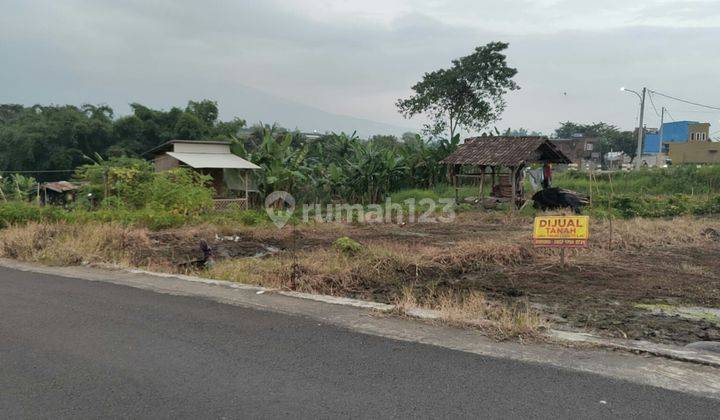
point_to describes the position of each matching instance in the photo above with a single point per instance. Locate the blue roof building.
(675, 132)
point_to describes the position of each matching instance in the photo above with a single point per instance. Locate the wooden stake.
(562, 257)
(247, 194)
(482, 185)
(610, 211)
(512, 183)
(590, 187)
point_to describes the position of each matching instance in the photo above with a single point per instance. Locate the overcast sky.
(356, 57)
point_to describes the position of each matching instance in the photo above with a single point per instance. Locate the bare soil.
(598, 290)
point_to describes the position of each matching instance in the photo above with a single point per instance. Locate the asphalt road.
(76, 348)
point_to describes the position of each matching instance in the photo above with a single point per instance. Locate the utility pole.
(662, 122)
(641, 131)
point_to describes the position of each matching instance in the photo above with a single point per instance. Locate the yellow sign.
(561, 231)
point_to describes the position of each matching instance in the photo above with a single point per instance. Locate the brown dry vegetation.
(482, 263)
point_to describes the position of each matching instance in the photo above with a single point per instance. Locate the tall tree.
(469, 95)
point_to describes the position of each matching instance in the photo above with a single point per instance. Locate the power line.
(698, 111)
(38, 172)
(650, 96)
(669, 116)
(686, 101)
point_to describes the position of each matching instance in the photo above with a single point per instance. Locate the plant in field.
(372, 172)
(180, 190)
(347, 245)
(19, 187)
(283, 166)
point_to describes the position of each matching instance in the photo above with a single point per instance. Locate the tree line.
(61, 137)
(469, 96)
(325, 167)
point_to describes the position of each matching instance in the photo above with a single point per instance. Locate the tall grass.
(18, 213)
(681, 179)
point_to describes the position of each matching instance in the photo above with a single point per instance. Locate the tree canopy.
(611, 138)
(469, 94)
(43, 138)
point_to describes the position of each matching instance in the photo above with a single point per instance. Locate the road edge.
(673, 374)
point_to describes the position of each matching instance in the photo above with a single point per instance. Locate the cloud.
(355, 57)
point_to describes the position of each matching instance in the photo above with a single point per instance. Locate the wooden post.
(247, 194)
(482, 183)
(455, 183)
(610, 211)
(512, 184)
(590, 187)
(106, 174)
(562, 257)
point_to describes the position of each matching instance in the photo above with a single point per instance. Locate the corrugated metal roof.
(169, 145)
(506, 151)
(213, 160)
(60, 186)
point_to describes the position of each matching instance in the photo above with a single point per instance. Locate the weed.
(347, 245)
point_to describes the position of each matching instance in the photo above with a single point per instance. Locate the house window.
(692, 136)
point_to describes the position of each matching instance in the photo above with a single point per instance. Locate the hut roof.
(506, 151)
(60, 186)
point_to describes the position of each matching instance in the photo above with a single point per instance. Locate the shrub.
(347, 245)
(252, 217)
(180, 190)
(18, 212)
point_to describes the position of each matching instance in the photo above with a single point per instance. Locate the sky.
(341, 65)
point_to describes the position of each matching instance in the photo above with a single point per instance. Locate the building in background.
(615, 161)
(695, 152)
(232, 176)
(656, 149)
(581, 150)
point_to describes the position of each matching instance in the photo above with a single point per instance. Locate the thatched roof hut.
(498, 154)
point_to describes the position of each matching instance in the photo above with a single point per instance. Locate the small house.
(232, 176)
(58, 193)
(580, 149)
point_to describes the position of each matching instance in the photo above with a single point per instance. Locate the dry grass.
(473, 309)
(72, 244)
(694, 269)
(379, 266)
(649, 233)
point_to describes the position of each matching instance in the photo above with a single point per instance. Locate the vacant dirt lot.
(629, 287)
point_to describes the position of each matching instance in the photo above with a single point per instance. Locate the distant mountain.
(254, 106)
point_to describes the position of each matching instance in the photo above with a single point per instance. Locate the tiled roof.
(506, 151)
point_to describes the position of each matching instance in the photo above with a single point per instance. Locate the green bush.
(180, 190)
(347, 245)
(18, 212)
